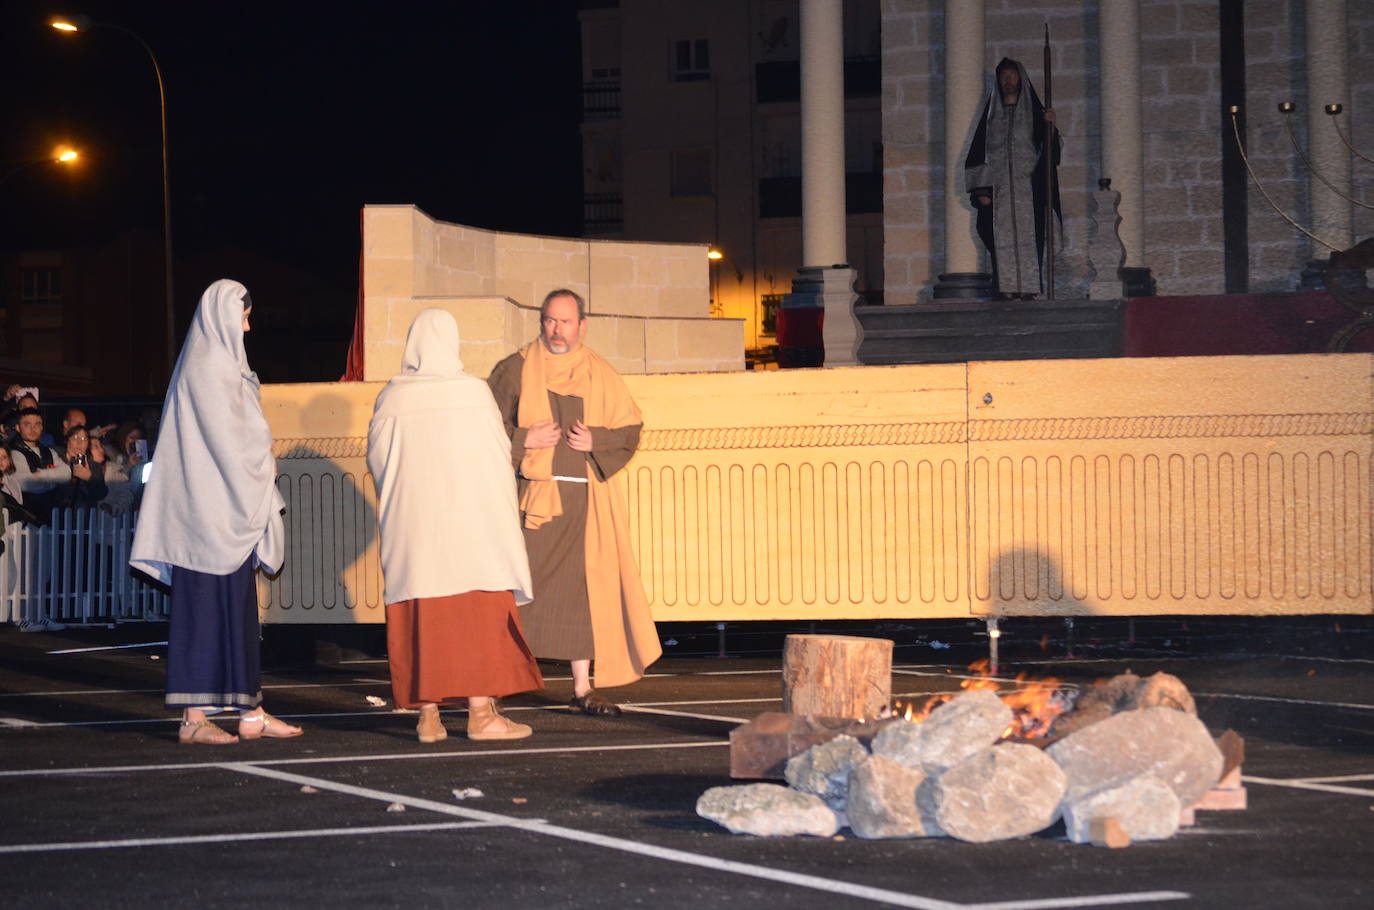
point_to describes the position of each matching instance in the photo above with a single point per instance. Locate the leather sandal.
(481, 719)
(204, 733)
(430, 729)
(595, 704)
(271, 727)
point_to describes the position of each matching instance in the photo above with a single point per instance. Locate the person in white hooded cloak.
(453, 555)
(211, 515)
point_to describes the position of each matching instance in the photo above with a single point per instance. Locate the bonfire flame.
(1035, 703)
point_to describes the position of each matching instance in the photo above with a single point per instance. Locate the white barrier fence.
(75, 571)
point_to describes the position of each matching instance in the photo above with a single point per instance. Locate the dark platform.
(954, 332)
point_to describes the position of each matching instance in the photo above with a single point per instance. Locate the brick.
(1198, 19)
(1158, 20)
(1193, 80)
(1222, 798)
(1107, 832)
(1167, 51)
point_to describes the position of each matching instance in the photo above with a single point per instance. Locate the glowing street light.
(73, 24)
(59, 156)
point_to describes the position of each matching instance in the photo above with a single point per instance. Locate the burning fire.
(1034, 702)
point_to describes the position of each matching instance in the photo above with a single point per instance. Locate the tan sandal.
(430, 728)
(204, 733)
(282, 730)
(480, 720)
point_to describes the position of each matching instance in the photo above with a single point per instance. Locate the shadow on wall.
(1023, 582)
(332, 573)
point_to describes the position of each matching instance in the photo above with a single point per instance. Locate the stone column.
(825, 282)
(1122, 138)
(965, 94)
(822, 133)
(1328, 82)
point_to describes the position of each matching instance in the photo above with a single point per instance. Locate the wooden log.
(836, 675)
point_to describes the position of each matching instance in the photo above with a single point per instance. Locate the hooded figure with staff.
(1009, 177)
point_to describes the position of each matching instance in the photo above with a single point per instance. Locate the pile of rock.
(954, 775)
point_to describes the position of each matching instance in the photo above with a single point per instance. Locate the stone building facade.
(1183, 124)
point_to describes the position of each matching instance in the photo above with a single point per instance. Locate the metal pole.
(1051, 133)
(170, 313)
(994, 636)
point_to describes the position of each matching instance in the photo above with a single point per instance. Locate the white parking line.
(1332, 780)
(389, 756)
(235, 838)
(815, 882)
(641, 709)
(328, 685)
(509, 709)
(1289, 701)
(1303, 785)
(145, 644)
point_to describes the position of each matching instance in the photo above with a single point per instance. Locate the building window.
(691, 172)
(40, 314)
(691, 60)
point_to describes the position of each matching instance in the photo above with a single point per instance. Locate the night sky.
(284, 119)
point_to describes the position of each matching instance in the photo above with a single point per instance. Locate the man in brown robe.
(573, 425)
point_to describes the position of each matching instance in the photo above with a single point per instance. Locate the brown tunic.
(558, 622)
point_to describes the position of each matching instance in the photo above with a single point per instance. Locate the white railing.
(75, 571)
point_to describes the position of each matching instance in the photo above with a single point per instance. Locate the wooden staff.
(1048, 151)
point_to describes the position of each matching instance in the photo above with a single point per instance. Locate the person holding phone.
(87, 461)
(211, 516)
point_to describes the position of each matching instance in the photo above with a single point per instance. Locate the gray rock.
(1164, 690)
(967, 723)
(824, 769)
(768, 810)
(1009, 790)
(1168, 744)
(900, 741)
(882, 800)
(1146, 807)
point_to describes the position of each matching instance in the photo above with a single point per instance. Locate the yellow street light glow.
(715, 254)
(62, 25)
(67, 155)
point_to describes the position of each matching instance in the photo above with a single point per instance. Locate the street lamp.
(73, 24)
(60, 156)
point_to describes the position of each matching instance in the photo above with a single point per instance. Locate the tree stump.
(836, 675)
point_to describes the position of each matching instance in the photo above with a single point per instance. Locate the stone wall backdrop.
(1183, 122)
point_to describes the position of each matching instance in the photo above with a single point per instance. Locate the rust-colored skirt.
(446, 648)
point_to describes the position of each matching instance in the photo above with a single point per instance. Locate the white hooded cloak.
(440, 458)
(212, 498)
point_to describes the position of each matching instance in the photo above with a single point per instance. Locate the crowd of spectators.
(78, 467)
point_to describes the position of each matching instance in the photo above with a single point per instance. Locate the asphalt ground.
(101, 807)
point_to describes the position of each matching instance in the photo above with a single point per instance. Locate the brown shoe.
(487, 723)
(430, 728)
(595, 704)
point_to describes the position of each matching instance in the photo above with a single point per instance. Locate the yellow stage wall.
(1228, 485)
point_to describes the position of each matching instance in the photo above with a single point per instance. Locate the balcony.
(602, 213)
(601, 100)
